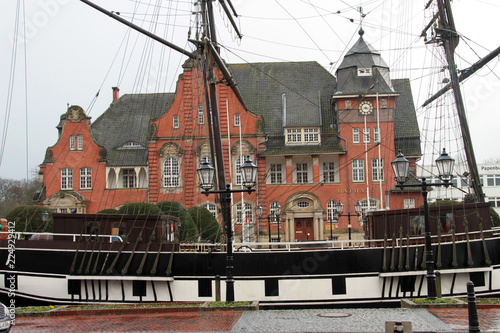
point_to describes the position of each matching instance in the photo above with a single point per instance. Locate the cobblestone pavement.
(318, 320)
(359, 320)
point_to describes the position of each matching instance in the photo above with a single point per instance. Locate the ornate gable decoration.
(75, 114)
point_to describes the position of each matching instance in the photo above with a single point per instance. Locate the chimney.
(116, 94)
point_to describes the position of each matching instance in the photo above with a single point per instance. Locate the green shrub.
(494, 217)
(207, 227)
(434, 301)
(139, 208)
(28, 218)
(445, 203)
(188, 227)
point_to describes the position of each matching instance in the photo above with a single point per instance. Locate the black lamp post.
(401, 167)
(331, 219)
(339, 208)
(276, 211)
(206, 174)
(274, 216)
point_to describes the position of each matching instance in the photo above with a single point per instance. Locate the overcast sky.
(73, 51)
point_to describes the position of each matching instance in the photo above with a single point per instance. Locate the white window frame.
(355, 135)
(129, 175)
(366, 135)
(66, 179)
(237, 171)
(364, 71)
(201, 114)
(237, 120)
(364, 204)
(328, 172)
(79, 140)
(248, 213)
(85, 178)
(330, 211)
(409, 203)
(301, 173)
(358, 171)
(311, 135)
(211, 207)
(276, 173)
(171, 172)
(376, 134)
(378, 169)
(75, 142)
(175, 121)
(293, 135)
(308, 135)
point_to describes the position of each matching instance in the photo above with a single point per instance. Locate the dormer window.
(131, 145)
(302, 136)
(364, 72)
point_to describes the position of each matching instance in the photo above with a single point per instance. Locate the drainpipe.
(257, 185)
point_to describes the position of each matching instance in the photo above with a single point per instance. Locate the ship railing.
(49, 236)
(327, 244)
(276, 246)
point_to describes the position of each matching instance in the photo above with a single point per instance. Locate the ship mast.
(450, 39)
(208, 55)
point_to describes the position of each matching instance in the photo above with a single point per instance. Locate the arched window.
(239, 162)
(331, 210)
(171, 172)
(364, 204)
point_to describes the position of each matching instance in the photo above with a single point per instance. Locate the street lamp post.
(206, 174)
(339, 208)
(401, 167)
(274, 216)
(331, 220)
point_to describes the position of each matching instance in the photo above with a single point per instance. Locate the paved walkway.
(318, 320)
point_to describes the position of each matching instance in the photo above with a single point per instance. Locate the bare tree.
(491, 160)
(15, 193)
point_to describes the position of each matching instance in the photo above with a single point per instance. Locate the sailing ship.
(295, 117)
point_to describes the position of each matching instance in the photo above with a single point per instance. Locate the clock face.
(365, 107)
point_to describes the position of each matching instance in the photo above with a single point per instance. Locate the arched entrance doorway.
(304, 218)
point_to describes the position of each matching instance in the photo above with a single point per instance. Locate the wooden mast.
(450, 40)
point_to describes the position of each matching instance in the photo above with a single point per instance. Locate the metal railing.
(48, 236)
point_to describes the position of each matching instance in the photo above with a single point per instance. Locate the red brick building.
(316, 140)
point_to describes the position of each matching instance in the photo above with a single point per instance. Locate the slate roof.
(308, 88)
(127, 120)
(406, 130)
(363, 55)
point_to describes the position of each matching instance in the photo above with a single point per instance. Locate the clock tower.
(366, 106)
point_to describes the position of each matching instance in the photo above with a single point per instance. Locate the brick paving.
(208, 321)
(359, 320)
(458, 319)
